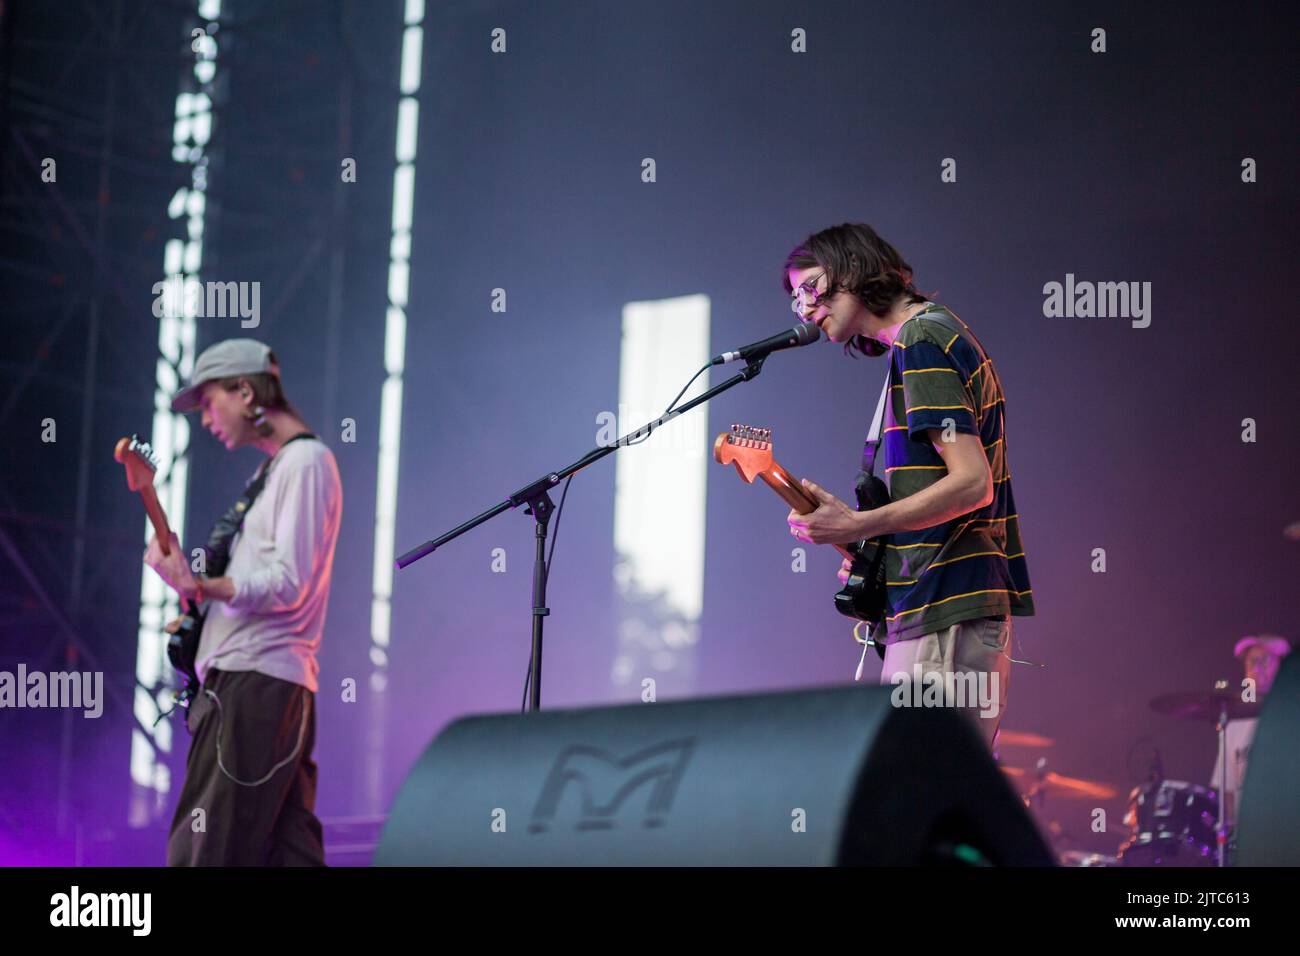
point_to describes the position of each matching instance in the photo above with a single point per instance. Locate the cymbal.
(1059, 785)
(1204, 705)
(1022, 738)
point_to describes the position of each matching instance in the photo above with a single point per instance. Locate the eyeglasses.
(805, 297)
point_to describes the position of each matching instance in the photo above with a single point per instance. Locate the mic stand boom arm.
(536, 497)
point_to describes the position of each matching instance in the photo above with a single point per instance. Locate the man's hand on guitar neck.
(833, 522)
(173, 568)
(176, 571)
(967, 487)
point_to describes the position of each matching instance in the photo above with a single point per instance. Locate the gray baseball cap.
(224, 360)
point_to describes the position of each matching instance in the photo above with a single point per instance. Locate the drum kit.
(1170, 822)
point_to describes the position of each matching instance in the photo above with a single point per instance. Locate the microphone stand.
(535, 496)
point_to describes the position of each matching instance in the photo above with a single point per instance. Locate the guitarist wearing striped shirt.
(954, 564)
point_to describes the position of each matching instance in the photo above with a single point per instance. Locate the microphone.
(805, 333)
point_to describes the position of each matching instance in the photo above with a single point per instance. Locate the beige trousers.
(971, 664)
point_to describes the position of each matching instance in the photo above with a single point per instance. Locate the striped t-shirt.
(972, 566)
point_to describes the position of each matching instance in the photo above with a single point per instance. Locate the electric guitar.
(137, 458)
(749, 449)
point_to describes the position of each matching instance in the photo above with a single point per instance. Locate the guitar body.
(863, 595)
(749, 449)
(183, 651)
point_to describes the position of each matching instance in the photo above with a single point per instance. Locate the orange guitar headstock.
(138, 459)
(746, 447)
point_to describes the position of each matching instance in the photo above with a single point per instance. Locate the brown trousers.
(261, 730)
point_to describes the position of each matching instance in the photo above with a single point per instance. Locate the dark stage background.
(1121, 166)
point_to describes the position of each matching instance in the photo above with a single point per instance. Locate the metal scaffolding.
(234, 171)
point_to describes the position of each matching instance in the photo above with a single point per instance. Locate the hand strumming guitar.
(846, 568)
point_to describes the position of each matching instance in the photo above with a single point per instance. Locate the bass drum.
(1173, 825)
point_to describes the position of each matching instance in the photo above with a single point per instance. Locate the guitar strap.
(867, 477)
(872, 446)
(228, 525)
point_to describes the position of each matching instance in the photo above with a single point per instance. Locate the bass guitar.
(137, 458)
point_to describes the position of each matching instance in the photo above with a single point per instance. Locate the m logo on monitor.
(604, 783)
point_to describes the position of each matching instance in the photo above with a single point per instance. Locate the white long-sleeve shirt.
(280, 565)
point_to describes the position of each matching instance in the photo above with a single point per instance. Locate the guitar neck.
(157, 517)
(792, 493)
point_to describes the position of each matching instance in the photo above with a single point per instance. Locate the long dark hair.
(857, 261)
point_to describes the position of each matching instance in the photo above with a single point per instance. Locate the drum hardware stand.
(1221, 829)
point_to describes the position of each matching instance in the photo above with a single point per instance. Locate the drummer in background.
(1260, 656)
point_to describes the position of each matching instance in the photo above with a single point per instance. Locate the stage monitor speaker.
(809, 778)
(1268, 826)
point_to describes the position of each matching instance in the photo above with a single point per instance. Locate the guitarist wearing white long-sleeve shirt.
(250, 783)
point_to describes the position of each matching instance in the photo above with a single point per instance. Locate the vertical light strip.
(170, 437)
(399, 279)
(659, 492)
